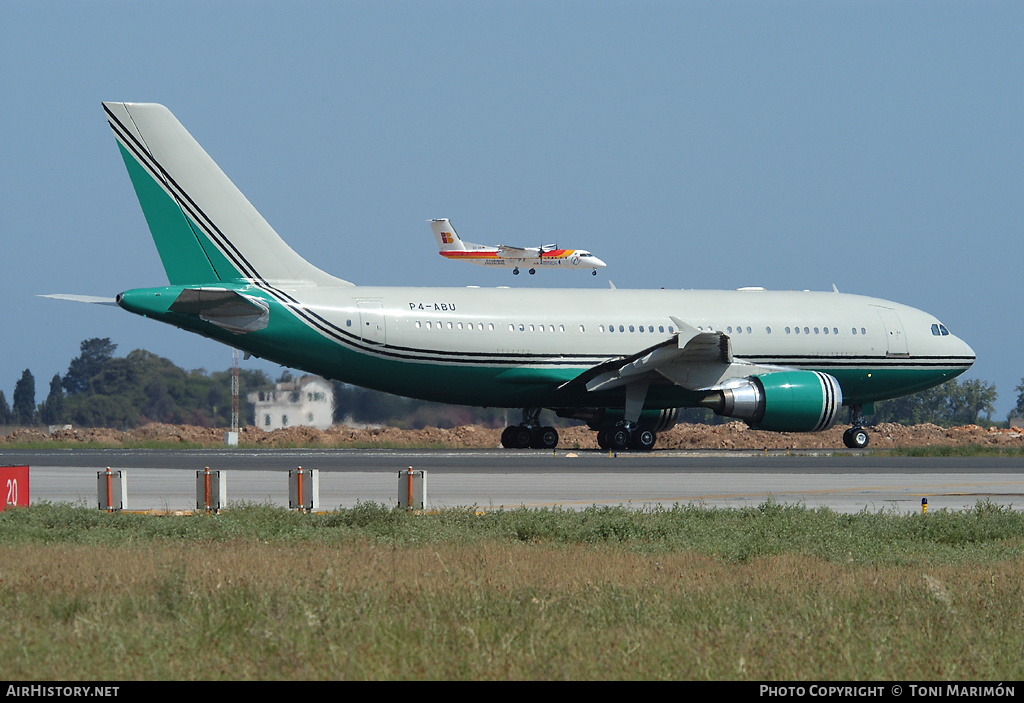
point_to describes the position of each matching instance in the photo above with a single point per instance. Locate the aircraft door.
(895, 339)
(371, 321)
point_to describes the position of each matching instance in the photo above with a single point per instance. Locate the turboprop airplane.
(450, 246)
(622, 360)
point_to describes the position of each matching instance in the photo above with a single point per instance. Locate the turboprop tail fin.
(205, 230)
(447, 239)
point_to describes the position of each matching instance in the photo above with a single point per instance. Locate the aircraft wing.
(694, 359)
(517, 251)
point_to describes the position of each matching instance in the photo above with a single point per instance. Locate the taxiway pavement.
(847, 482)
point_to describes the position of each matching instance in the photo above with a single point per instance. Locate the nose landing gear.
(855, 438)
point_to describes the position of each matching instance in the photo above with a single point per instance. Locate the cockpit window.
(939, 330)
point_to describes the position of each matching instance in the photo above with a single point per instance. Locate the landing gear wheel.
(533, 271)
(643, 440)
(594, 272)
(515, 271)
(516, 437)
(617, 438)
(522, 435)
(602, 439)
(855, 438)
(544, 438)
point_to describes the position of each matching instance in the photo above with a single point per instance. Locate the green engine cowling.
(782, 401)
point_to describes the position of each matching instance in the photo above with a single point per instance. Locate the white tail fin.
(204, 228)
(444, 233)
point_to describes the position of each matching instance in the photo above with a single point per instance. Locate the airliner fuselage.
(515, 347)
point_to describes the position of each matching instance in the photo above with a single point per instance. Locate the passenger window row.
(488, 327)
(645, 329)
(635, 328)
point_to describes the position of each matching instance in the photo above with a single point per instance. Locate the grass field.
(773, 593)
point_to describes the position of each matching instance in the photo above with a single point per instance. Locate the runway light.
(924, 505)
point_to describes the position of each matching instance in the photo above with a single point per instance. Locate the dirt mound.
(732, 435)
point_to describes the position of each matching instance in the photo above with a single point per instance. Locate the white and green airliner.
(624, 361)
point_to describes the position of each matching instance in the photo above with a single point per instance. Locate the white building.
(308, 401)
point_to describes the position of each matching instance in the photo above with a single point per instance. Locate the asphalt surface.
(491, 461)
(844, 481)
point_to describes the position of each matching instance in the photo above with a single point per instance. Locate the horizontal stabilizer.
(94, 299)
(225, 308)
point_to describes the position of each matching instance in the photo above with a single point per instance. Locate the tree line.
(100, 389)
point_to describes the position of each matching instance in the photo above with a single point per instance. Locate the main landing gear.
(856, 437)
(625, 435)
(529, 433)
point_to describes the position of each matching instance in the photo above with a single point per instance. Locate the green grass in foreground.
(777, 592)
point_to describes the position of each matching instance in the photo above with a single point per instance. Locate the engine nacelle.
(782, 401)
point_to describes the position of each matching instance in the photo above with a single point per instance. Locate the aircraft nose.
(967, 351)
(597, 263)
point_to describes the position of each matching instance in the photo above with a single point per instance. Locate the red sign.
(14, 483)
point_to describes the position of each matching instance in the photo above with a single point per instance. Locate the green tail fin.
(205, 230)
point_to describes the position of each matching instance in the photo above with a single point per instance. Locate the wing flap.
(692, 358)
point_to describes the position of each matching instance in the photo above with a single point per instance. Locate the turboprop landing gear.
(594, 272)
(529, 433)
(856, 437)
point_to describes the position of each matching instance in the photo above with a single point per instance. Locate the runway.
(848, 482)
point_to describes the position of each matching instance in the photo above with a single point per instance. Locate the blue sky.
(877, 146)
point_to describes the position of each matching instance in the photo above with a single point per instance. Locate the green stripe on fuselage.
(188, 257)
(867, 385)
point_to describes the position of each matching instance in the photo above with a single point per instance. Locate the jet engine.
(782, 401)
